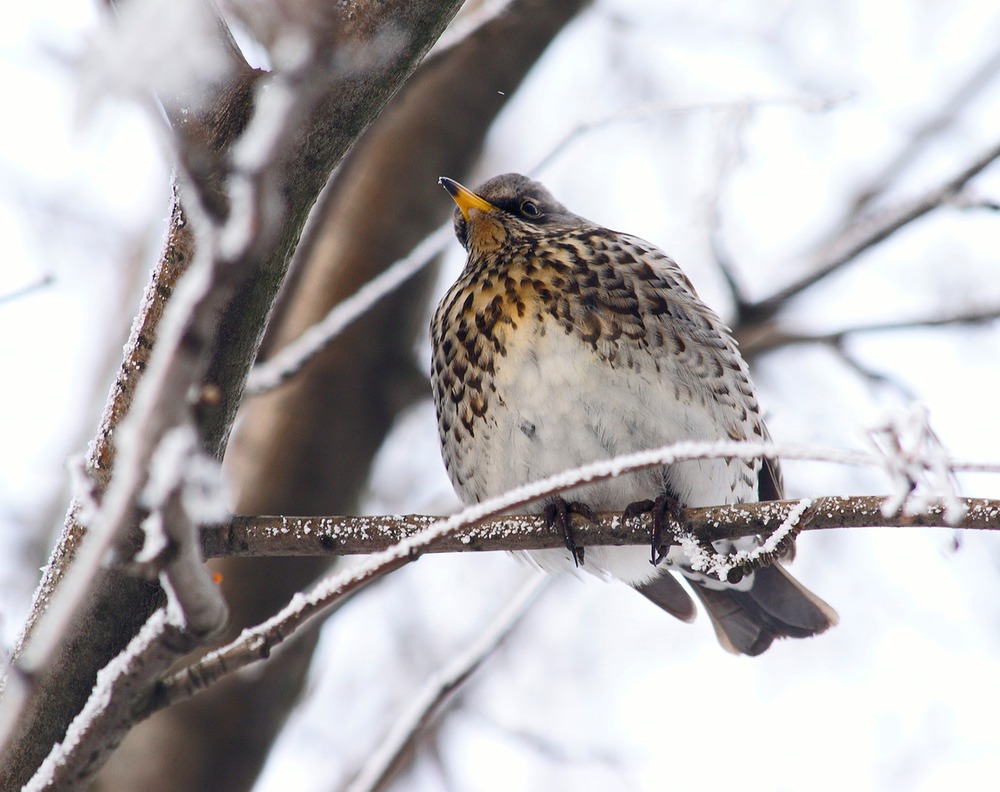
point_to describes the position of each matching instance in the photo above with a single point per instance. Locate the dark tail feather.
(667, 592)
(776, 606)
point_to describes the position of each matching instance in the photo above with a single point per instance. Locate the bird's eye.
(530, 209)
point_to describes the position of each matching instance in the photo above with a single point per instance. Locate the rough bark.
(306, 447)
(106, 617)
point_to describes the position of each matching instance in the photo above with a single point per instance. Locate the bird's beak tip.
(464, 197)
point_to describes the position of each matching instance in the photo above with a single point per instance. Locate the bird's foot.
(658, 510)
(558, 513)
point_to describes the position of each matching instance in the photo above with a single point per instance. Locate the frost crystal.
(179, 464)
(917, 465)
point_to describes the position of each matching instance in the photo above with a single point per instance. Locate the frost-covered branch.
(182, 492)
(488, 525)
(249, 200)
(292, 357)
(904, 447)
(384, 760)
(108, 714)
(251, 535)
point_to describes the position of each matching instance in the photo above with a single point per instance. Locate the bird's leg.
(558, 512)
(658, 510)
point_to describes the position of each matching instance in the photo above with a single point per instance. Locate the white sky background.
(598, 689)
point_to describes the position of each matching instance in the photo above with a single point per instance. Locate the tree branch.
(251, 230)
(656, 109)
(22, 291)
(770, 336)
(291, 358)
(394, 541)
(384, 762)
(248, 535)
(930, 129)
(867, 232)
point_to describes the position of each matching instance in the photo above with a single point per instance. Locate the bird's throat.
(486, 234)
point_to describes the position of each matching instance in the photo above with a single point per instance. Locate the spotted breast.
(563, 342)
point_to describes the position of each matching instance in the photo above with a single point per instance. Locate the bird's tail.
(775, 606)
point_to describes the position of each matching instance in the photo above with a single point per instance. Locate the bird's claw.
(658, 510)
(558, 513)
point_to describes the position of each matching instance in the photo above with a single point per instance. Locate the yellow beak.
(464, 197)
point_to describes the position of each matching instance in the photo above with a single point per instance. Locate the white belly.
(558, 406)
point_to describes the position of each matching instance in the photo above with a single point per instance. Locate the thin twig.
(16, 294)
(653, 109)
(729, 154)
(944, 117)
(870, 231)
(773, 337)
(384, 761)
(870, 374)
(965, 200)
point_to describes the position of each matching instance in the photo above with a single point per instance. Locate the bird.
(563, 342)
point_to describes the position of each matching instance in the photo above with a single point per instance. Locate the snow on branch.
(108, 715)
(291, 358)
(917, 465)
(249, 535)
(732, 567)
(257, 536)
(184, 491)
(489, 526)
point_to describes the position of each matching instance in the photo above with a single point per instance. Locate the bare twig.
(729, 155)
(770, 337)
(966, 200)
(867, 232)
(930, 129)
(384, 761)
(870, 374)
(16, 294)
(655, 109)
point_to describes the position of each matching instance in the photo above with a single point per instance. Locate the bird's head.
(502, 209)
